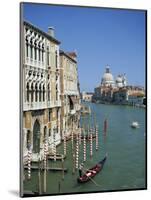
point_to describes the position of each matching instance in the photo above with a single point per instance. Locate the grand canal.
(125, 167)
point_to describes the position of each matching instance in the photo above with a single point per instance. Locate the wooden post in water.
(39, 178)
(84, 148)
(62, 161)
(80, 136)
(77, 153)
(73, 163)
(91, 144)
(45, 166)
(96, 138)
(72, 139)
(29, 165)
(54, 146)
(64, 145)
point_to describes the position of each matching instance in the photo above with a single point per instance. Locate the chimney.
(51, 31)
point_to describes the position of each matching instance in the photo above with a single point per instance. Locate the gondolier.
(81, 169)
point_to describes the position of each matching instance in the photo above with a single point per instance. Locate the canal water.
(125, 167)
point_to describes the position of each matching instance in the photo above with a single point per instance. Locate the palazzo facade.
(70, 94)
(41, 90)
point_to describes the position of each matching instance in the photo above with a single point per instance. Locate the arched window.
(40, 93)
(31, 49)
(48, 56)
(35, 51)
(39, 51)
(27, 87)
(48, 90)
(45, 133)
(56, 93)
(28, 144)
(32, 92)
(36, 92)
(43, 93)
(56, 58)
(27, 48)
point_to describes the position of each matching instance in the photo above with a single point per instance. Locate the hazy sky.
(100, 37)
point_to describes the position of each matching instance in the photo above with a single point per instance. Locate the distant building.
(87, 96)
(117, 91)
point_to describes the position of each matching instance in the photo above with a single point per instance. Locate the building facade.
(70, 94)
(87, 96)
(41, 90)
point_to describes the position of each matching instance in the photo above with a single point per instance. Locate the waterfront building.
(70, 93)
(41, 90)
(117, 91)
(86, 96)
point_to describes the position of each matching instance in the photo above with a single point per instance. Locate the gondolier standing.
(81, 169)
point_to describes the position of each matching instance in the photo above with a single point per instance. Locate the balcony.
(35, 63)
(40, 105)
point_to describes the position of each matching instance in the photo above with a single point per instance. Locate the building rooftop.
(42, 32)
(68, 55)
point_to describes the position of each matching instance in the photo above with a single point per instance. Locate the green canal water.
(125, 167)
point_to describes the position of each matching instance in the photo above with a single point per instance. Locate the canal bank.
(125, 166)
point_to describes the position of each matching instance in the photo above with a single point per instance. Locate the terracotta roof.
(67, 55)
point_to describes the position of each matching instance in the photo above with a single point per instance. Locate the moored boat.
(90, 173)
(135, 125)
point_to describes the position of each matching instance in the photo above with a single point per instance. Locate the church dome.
(119, 79)
(107, 78)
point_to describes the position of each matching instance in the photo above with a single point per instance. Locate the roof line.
(42, 32)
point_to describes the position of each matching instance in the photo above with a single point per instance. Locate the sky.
(99, 36)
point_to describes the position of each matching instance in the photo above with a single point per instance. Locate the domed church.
(107, 79)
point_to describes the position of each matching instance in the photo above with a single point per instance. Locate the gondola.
(92, 171)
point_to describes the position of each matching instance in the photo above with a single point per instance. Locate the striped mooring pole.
(97, 138)
(54, 146)
(29, 164)
(64, 145)
(84, 148)
(77, 153)
(91, 144)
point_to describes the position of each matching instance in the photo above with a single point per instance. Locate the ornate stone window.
(36, 92)
(40, 93)
(27, 87)
(43, 93)
(28, 144)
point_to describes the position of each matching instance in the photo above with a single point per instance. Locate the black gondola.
(92, 171)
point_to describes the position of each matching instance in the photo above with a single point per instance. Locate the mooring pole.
(77, 152)
(72, 138)
(65, 145)
(73, 164)
(39, 178)
(45, 166)
(91, 144)
(29, 164)
(54, 146)
(62, 167)
(96, 138)
(84, 148)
